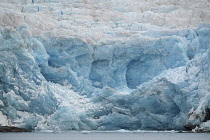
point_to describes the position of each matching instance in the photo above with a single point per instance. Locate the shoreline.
(9, 129)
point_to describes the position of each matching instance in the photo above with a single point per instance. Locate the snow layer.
(105, 65)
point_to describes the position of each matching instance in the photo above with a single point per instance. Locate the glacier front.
(105, 64)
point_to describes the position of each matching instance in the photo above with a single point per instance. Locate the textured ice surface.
(105, 65)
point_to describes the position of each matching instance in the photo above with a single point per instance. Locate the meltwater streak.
(114, 135)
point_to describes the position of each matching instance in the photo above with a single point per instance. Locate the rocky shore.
(12, 129)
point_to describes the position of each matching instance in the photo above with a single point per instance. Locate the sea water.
(85, 135)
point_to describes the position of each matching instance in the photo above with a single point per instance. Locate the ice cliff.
(105, 64)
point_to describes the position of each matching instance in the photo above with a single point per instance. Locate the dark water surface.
(105, 136)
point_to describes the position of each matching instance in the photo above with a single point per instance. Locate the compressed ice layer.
(122, 65)
(67, 70)
(163, 100)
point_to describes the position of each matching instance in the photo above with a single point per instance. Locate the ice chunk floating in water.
(105, 65)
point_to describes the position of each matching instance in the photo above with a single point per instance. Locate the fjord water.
(105, 136)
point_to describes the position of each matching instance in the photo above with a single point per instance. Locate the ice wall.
(104, 65)
(209, 63)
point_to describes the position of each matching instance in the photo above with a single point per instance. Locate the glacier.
(105, 64)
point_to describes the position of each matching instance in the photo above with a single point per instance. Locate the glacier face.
(105, 65)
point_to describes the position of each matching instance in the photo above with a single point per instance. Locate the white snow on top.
(96, 21)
